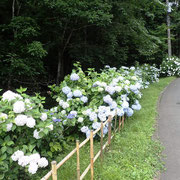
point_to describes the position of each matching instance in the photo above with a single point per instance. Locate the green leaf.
(31, 147)
(10, 143)
(50, 154)
(3, 149)
(10, 150)
(3, 157)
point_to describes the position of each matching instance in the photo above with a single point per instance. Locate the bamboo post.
(101, 142)
(115, 122)
(123, 122)
(91, 155)
(109, 130)
(119, 123)
(78, 161)
(54, 170)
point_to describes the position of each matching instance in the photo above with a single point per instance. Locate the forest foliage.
(40, 40)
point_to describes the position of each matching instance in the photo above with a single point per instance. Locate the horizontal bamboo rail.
(53, 172)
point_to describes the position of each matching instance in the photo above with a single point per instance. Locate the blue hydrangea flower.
(133, 88)
(93, 116)
(70, 95)
(96, 125)
(84, 129)
(124, 97)
(113, 105)
(107, 99)
(57, 120)
(88, 111)
(125, 104)
(120, 112)
(110, 89)
(84, 99)
(88, 133)
(77, 93)
(66, 90)
(102, 116)
(74, 77)
(105, 130)
(70, 116)
(129, 112)
(136, 107)
(74, 113)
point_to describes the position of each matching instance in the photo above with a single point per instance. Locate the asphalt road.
(169, 130)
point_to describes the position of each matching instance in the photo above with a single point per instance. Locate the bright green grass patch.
(134, 155)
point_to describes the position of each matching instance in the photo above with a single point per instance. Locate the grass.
(134, 154)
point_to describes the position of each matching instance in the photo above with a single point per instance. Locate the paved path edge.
(156, 136)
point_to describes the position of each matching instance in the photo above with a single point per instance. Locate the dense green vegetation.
(134, 154)
(40, 40)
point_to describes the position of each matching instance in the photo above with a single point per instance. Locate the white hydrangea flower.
(21, 120)
(42, 162)
(121, 78)
(30, 122)
(127, 82)
(33, 167)
(43, 116)
(100, 89)
(3, 116)
(9, 95)
(24, 161)
(132, 68)
(19, 107)
(118, 88)
(16, 155)
(103, 84)
(63, 112)
(28, 104)
(36, 134)
(50, 127)
(9, 127)
(27, 101)
(134, 78)
(34, 158)
(61, 102)
(65, 105)
(84, 113)
(80, 119)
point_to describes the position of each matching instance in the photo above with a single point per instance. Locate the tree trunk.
(178, 48)
(60, 57)
(169, 32)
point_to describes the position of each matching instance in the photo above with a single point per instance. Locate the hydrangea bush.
(170, 67)
(24, 126)
(86, 100)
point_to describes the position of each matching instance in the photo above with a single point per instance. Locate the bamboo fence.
(93, 158)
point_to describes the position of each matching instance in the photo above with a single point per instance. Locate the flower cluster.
(33, 161)
(170, 67)
(9, 95)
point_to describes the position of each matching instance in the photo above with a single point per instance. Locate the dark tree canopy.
(40, 40)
